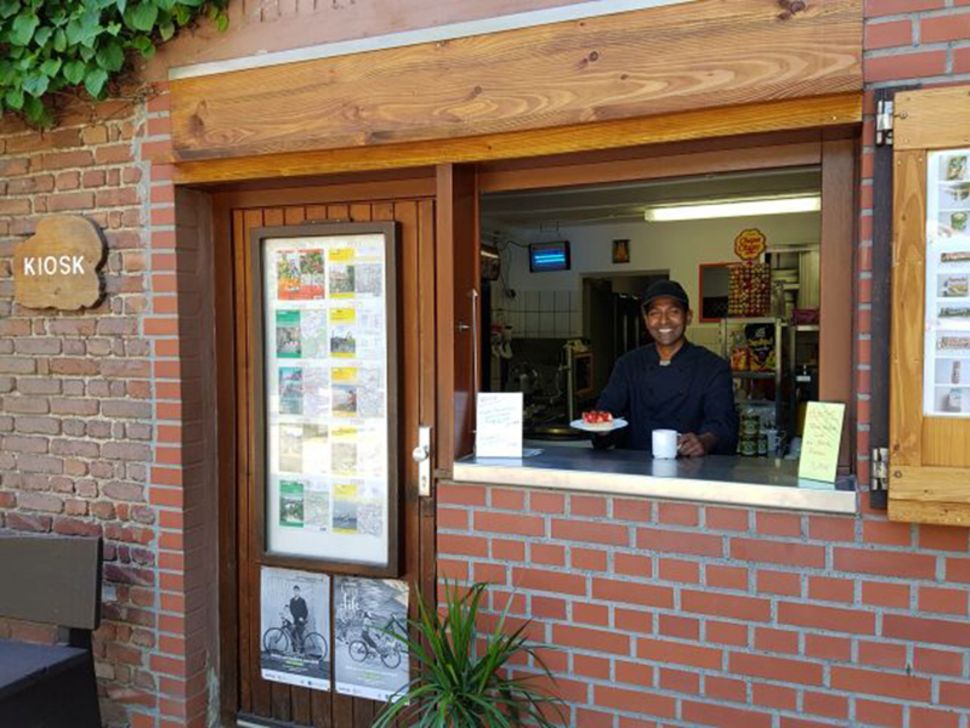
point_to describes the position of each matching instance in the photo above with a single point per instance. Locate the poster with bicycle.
(294, 627)
(368, 661)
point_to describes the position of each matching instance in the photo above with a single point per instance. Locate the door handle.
(474, 296)
(421, 454)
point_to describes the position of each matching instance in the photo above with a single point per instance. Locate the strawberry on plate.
(597, 417)
(598, 420)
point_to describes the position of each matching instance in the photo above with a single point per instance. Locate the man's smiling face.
(666, 320)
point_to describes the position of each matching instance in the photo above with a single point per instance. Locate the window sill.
(770, 483)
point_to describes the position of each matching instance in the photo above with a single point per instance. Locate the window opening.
(555, 335)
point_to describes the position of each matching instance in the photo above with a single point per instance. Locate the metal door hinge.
(879, 469)
(884, 123)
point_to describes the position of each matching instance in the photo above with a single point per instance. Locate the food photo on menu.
(954, 197)
(954, 285)
(951, 394)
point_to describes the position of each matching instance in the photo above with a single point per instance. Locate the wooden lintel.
(654, 61)
(823, 111)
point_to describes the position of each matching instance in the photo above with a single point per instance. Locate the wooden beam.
(933, 118)
(650, 163)
(348, 192)
(836, 110)
(456, 274)
(930, 495)
(941, 513)
(836, 262)
(665, 60)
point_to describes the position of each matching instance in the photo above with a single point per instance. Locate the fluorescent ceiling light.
(749, 207)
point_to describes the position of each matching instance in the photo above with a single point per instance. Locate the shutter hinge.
(884, 122)
(879, 469)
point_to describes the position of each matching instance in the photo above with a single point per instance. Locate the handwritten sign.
(820, 441)
(57, 267)
(750, 244)
(499, 425)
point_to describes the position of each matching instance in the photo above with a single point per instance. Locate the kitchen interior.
(564, 270)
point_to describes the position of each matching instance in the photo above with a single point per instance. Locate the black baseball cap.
(670, 289)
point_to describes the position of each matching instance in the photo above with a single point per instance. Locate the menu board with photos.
(946, 356)
(327, 312)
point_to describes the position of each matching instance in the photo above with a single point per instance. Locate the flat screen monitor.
(545, 257)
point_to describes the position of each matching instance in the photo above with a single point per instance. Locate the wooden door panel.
(416, 306)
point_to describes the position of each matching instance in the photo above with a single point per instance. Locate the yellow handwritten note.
(821, 440)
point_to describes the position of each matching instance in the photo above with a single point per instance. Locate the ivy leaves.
(47, 46)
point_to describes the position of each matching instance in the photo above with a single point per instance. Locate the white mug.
(664, 444)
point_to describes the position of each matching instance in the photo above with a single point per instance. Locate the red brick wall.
(92, 432)
(678, 614)
(708, 615)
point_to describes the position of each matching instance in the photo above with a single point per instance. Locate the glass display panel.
(327, 313)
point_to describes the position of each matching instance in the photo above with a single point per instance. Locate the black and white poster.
(295, 627)
(369, 662)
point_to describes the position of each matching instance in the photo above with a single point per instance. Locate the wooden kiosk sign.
(58, 266)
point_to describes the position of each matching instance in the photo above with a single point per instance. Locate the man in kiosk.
(671, 384)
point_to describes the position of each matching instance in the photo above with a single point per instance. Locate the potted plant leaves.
(464, 678)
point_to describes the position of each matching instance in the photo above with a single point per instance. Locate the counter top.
(767, 482)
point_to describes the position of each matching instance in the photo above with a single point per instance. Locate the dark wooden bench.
(53, 581)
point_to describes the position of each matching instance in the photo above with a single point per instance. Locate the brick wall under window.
(690, 615)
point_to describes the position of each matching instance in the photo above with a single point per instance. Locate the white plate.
(617, 424)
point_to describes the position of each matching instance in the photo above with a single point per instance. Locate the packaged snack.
(761, 347)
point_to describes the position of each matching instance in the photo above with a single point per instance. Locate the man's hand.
(695, 446)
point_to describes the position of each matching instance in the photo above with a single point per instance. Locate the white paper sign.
(499, 425)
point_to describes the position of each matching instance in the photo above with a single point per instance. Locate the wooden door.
(244, 693)
(929, 458)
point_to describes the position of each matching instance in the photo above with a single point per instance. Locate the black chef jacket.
(692, 393)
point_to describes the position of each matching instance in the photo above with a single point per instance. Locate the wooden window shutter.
(929, 460)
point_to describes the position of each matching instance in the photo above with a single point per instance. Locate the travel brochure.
(326, 396)
(946, 375)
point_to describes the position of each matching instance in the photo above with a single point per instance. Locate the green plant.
(463, 683)
(50, 46)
